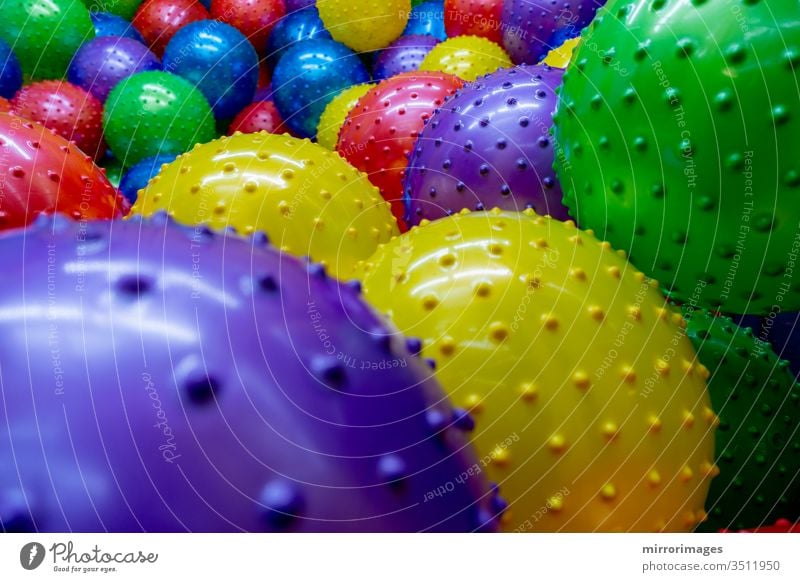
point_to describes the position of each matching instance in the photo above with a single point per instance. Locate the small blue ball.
(427, 18)
(219, 60)
(11, 73)
(301, 25)
(107, 24)
(309, 76)
(141, 173)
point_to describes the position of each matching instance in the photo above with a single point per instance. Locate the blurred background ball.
(159, 20)
(67, 109)
(107, 24)
(44, 34)
(306, 198)
(308, 76)
(295, 26)
(474, 18)
(218, 60)
(229, 415)
(156, 113)
(427, 18)
(403, 56)
(367, 25)
(532, 28)
(253, 18)
(294, 5)
(489, 146)
(104, 61)
(467, 57)
(10, 71)
(259, 116)
(44, 173)
(380, 132)
(122, 8)
(336, 112)
(758, 438)
(138, 175)
(701, 183)
(608, 430)
(561, 56)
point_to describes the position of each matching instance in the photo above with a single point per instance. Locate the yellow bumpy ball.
(335, 114)
(590, 407)
(467, 57)
(365, 25)
(560, 57)
(307, 199)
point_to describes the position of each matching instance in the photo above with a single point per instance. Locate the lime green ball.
(45, 34)
(124, 8)
(676, 140)
(156, 113)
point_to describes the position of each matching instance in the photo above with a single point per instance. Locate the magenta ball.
(488, 146)
(104, 61)
(403, 55)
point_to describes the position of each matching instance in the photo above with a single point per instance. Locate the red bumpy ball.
(258, 116)
(70, 111)
(780, 526)
(158, 20)
(474, 17)
(44, 173)
(380, 132)
(253, 18)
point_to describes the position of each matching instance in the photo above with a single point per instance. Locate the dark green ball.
(758, 438)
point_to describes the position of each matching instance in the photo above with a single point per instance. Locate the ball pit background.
(640, 74)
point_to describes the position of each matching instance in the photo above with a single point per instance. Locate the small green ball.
(45, 34)
(156, 113)
(758, 437)
(124, 8)
(676, 139)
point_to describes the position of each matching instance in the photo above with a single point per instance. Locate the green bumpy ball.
(124, 8)
(45, 34)
(156, 113)
(758, 437)
(677, 141)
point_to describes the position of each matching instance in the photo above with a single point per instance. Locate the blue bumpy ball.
(107, 24)
(219, 60)
(309, 76)
(301, 25)
(428, 19)
(10, 71)
(137, 177)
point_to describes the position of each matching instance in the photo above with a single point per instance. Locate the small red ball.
(253, 18)
(474, 17)
(158, 20)
(380, 132)
(70, 111)
(258, 116)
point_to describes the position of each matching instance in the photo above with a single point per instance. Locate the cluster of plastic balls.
(472, 265)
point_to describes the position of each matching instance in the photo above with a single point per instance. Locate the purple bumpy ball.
(104, 61)
(489, 145)
(165, 378)
(532, 28)
(403, 55)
